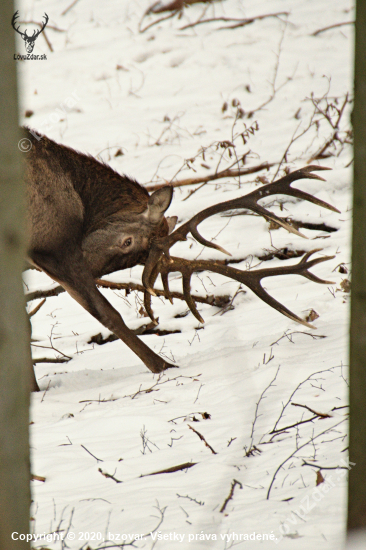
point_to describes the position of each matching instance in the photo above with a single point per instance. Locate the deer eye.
(127, 242)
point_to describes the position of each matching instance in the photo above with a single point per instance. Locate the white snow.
(158, 96)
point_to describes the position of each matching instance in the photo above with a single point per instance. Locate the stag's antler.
(160, 261)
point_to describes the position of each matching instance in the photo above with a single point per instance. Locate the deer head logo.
(28, 40)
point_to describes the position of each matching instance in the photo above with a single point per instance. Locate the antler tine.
(188, 297)
(315, 261)
(286, 181)
(165, 281)
(154, 256)
(147, 295)
(251, 279)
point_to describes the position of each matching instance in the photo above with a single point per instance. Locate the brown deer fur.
(86, 220)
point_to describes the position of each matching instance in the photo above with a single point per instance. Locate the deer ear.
(158, 203)
(172, 222)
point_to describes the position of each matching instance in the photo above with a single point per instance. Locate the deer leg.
(78, 281)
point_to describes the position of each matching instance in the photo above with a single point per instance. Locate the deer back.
(76, 201)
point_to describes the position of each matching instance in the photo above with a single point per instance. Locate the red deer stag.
(86, 221)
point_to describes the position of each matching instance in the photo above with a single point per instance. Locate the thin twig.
(69, 7)
(202, 439)
(332, 27)
(44, 293)
(239, 22)
(231, 494)
(209, 299)
(91, 454)
(281, 430)
(34, 477)
(324, 467)
(287, 335)
(157, 21)
(37, 308)
(109, 476)
(295, 451)
(178, 468)
(256, 411)
(227, 173)
(50, 360)
(321, 415)
(45, 391)
(296, 389)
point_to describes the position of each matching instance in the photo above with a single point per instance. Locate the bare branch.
(212, 177)
(321, 415)
(295, 451)
(238, 22)
(332, 27)
(231, 494)
(202, 439)
(183, 466)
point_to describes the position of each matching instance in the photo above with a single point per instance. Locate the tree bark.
(357, 450)
(14, 327)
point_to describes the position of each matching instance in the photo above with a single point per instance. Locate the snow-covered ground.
(102, 422)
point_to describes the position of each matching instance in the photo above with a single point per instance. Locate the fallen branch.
(54, 349)
(37, 308)
(160, 382)
(287, 335)
(157, 21)
(44, 293)
(202, 439)
(281, 430)
(321, 415)
(218, 301)
(91, 454)
(238, 22)
(324, 467)
(251, 447)
(332, 27)
(109, 476)
(321, 153)
(231, 494)
(309, 378)
(175, 7)
(183, 466)
(311, 440)
(200, 503)
(37, 478)
(69, 7)
(50, 360)
(99, 400)
(212, 177)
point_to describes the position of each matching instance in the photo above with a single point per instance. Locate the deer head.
(29, 41)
